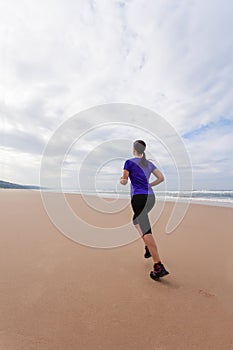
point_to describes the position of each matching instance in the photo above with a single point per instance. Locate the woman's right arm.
(160, 178)
(124, 178)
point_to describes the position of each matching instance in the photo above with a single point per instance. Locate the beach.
(59, 294)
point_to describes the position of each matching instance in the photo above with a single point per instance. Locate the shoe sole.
(157, 277)
(153, 276)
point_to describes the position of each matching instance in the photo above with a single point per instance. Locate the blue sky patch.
(222, 123)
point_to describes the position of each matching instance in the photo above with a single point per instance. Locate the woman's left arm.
(124, 177)
(160, 178)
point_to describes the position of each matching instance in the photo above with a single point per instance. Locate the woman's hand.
(124, 178)
(123, 181)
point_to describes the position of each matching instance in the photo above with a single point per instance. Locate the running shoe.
(159, 271)
(147, 253)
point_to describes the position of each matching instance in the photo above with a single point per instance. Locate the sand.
(57, 294)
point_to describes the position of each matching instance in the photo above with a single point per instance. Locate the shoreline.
(193, 200)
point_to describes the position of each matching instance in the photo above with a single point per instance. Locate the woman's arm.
(159, 175)
(124, 178)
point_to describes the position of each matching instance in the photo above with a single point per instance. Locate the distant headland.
(9, 185)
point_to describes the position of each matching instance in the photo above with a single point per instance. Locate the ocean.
(222, 198)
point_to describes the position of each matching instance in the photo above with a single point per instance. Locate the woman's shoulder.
(151, 163)
(128, 163)
(131, 159)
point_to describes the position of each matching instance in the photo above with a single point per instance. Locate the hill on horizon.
(6, 184)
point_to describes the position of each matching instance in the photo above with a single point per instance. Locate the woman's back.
(139, 175)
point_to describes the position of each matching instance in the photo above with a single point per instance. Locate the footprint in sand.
(206, 294)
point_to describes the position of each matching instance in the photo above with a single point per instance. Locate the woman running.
(139, 169)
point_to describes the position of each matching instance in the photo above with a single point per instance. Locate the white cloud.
(59, 58)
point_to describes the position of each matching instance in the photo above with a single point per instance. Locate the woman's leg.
(150, 243)
(141, 206)
(148, 238)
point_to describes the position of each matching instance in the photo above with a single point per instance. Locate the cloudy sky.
(59, 58)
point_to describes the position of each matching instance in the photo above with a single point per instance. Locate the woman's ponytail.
(140, 147)
(143, 160)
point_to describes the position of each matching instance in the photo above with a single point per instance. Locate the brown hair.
(140, 146)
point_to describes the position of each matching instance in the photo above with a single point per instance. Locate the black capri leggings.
(141, 205)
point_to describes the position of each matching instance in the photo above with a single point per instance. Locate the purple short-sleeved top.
(139, 176)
